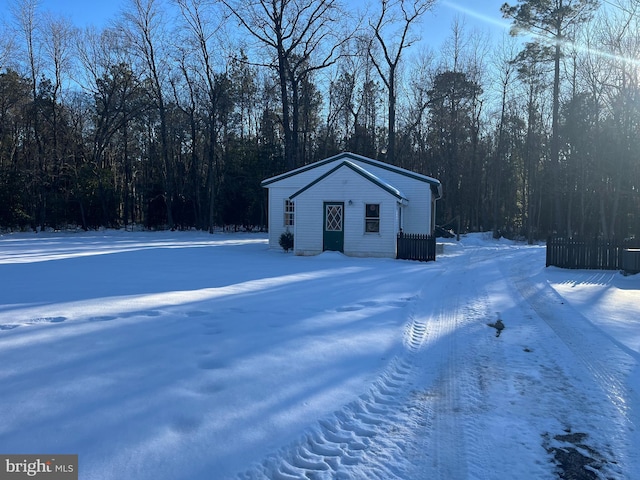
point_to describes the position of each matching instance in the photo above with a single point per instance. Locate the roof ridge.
(354, 156)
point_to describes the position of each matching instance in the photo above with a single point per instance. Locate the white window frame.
(371, 223)
(289, 213)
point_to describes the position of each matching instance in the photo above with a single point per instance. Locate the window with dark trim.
(372, 218)
(289, 210)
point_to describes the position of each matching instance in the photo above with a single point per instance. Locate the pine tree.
(551, 22)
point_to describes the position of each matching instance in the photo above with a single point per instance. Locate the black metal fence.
(598, 254)
(413, 246)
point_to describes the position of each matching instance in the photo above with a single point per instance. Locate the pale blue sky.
(481, 14)
(83, 12)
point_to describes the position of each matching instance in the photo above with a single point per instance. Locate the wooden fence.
(416, 247)
(598, 254)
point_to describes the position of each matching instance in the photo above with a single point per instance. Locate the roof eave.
(360, 171)
(348, 155)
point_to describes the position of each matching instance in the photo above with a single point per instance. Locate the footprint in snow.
(211, 364)
(349, 309)
(103, 318)
(373, 304)
(186, 424)
(8, 327)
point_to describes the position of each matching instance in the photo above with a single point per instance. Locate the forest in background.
(172, 115)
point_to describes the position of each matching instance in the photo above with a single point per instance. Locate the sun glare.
(565, 43)
(585, 49)
(475, 14)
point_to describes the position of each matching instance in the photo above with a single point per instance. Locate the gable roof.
(359, 158)
(360, 171)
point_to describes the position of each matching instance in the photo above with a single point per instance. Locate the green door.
(333, 237)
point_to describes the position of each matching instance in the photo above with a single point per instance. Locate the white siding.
(342, 186)
(417, 214)
(277, 197)
(307, 238)
(346, 186)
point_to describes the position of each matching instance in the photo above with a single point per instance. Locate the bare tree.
(142, 29)
(416, 125)
(118, 100)
(302, 36)
(618, 167)
(505, 70)
(59, 35)
(27, 22)
(353, 99)
(25, 13)
(392, 34)
(201, 29)
(6, 46)
(97, 51)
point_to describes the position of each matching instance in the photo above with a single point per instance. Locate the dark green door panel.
(333, 236)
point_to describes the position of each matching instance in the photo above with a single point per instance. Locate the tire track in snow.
(418, 415)
(601, 357)
(474, 400)
(607, 364)
(448, 441)
(368, 438)
(348, 442)
(457, 439)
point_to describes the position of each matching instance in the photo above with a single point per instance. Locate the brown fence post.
(411, 246)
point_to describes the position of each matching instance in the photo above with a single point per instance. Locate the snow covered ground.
(191, 356)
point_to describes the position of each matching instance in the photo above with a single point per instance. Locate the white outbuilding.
(351, 204)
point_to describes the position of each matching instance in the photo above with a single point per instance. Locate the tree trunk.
(555, 147)
(391, 144)
(286, 115)
(295, 120)
(211, 181)
(168, 165)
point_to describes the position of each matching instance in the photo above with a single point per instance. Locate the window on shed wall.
(372, 218)
(289, 210)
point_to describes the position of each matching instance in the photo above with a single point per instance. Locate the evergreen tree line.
(172, 115)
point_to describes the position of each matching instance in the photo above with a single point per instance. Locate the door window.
(334, 218)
